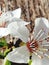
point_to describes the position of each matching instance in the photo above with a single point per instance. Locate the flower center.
(32, 46)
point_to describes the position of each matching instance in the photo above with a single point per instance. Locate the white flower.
(9, 15)
(21, 54)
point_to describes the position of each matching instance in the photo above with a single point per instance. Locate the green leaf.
(7, 62)
(3, 42)
(6, 52)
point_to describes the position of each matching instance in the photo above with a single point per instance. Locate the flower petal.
(41, 28)
(19, 31)
(4, 32)
(19, 55)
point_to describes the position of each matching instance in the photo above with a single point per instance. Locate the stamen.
(42, 49)
(46, 55)
(38, 34)
(38, 55)
(47, 44)
(43, 39)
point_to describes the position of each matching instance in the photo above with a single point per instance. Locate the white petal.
(13, 27)
(19, 55)
(5, 16)
(20, 22)
(24, 32)
(19, 31)
(9, 15)
(17, 13)
(4, 32)
(41, 24)
(38, 61)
